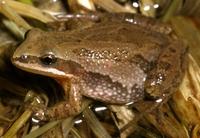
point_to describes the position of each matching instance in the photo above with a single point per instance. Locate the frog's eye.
(48, 59)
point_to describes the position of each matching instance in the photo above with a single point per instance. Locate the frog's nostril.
(48, 59)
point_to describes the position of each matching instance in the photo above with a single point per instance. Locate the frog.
(118, 59)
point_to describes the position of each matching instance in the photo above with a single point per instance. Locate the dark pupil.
(48, 59)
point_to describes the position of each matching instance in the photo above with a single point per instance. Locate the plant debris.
(179, 117)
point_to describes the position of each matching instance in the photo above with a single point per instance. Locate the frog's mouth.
(35, 65)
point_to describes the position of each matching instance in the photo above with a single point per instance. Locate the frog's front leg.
(64, 109)
(166, 76)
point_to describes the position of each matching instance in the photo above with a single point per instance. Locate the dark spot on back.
(29, 47)
(142, 63)
(78, 40)
(172, 50)
(164, 65)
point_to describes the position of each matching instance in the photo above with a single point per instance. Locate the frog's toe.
(153, 91)
(39, 113)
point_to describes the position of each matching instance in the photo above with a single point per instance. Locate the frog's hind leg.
(164, 79)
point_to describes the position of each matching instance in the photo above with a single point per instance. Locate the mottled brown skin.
(119, 59)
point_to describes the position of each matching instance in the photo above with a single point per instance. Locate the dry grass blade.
(87, 3)
(19, 33)
(94, 124)
(195, 131)
(75, 132)
(186, 103)
(189, 33)
(26, 1)
(166, 123)
(67, 124)
(29, 11)
(124, 116)
(42, 129)
(112, 6)
(171, 10)
(145, 4)
(81, 6)
(12, 15)
(18, 124)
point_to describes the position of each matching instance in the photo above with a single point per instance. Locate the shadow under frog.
(118, 59)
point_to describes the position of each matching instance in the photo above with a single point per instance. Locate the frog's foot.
(153, 92)
(59, 111)
(64, 109)
(39, 113)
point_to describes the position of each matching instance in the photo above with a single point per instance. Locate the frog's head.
(38, 54)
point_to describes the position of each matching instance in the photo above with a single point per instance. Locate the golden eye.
(48, 59)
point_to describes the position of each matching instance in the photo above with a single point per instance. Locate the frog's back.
(116, 58)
